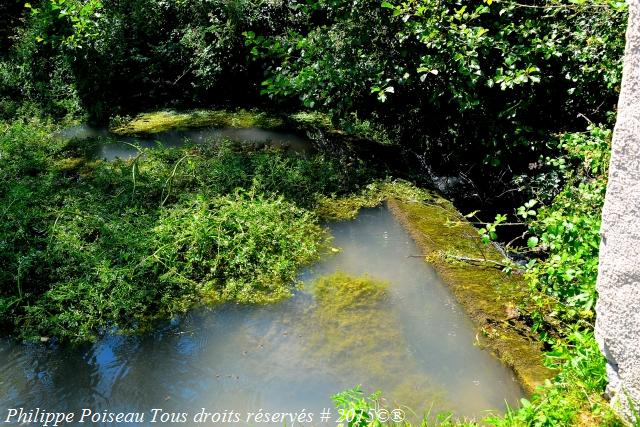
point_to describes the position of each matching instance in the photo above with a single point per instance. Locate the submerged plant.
(358, 307)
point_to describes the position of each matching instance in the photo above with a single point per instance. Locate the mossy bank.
(155, 122)
(489, 296)
(471, 268)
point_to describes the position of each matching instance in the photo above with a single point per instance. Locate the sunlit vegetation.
(506, 107)
(89, 245)
(162, 121)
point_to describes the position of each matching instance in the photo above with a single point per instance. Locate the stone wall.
(618, 307)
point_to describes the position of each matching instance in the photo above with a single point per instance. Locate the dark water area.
(420, 350)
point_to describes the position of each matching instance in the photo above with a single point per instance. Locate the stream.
(415, 344)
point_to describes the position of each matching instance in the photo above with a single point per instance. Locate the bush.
(568, 229)
(574, 396)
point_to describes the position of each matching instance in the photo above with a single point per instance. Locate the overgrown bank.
(89, 245)
(124, 243)
(493, 96)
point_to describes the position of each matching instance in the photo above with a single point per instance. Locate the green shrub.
(574, 396)
(568, 229)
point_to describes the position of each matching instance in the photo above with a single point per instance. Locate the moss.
(312, 120)
(487, 294)
(70, 164)
(162, 121)
(343, 208)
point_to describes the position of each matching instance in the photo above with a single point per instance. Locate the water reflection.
(124, 147)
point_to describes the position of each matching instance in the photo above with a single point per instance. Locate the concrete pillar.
(618, 306)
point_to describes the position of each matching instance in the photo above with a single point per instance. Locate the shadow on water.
(407, 337)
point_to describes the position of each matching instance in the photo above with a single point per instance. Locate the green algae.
(165, 120)
(347, 207)
(312, 120)
(353, 306)
(357, 306)
(487, 294)
(343, 208)
(341, 291)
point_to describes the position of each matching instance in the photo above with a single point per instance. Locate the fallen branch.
(473, 261)
(476, 260)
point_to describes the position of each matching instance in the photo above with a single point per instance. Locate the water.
(124, 147)
(285, 357)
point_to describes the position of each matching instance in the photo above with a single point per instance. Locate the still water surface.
(124, 147)
(283, 357)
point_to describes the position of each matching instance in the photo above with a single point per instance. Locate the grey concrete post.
(618, 306)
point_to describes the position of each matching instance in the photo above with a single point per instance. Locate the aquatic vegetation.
(486, 293)
(242, 248)
(568, 389)
(494, 79)
(312, 120)
(344, 302)
(162, 121)
(342, 291)
(347, 206)
(356, 306)
(343, 208)
(88, 245)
